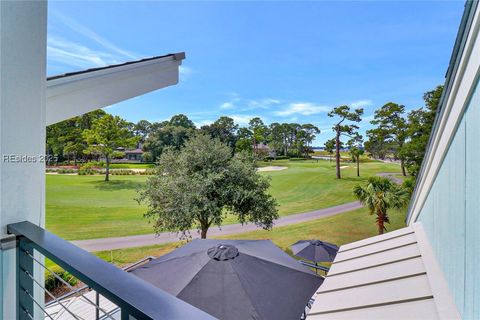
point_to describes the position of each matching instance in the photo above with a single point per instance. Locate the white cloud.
(361, 103)
(91, 35)
(264, 103)
(243, 119)
(77, 55)
(227, 105)
(303, 108)
(241, 104)
(201, 123)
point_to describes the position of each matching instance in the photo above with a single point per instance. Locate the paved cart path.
(166, 237)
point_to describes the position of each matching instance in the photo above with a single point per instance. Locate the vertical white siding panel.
(472, 261)
(443, 217)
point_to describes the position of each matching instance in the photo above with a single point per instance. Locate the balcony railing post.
(24, 281)
(125, 315)
(97, 309)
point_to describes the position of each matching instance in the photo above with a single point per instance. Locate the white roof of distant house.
(391, 276)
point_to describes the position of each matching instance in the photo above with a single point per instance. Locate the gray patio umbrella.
(234, 280)
(315, 250)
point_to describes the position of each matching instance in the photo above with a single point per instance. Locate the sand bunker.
(271, 168)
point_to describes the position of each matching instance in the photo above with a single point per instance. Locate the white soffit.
(392, 276)
(77, 93)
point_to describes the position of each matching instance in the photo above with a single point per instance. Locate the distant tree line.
(397, 134)
(98, 134)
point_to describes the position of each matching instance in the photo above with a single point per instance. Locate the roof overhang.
(77, 93)
(391, 276)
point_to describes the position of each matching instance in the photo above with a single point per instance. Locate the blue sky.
(282, 61)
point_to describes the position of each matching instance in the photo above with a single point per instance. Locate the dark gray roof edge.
(176, 56)
(458, 48)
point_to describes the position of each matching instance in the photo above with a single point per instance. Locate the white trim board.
(455, 105)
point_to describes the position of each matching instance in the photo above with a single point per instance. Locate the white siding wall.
(450, 214)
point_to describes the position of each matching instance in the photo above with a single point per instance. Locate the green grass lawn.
(311, 185)
(339, 229)
(86, 207)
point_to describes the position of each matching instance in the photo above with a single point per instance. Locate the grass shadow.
(115, 185)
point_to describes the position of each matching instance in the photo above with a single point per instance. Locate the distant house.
(263, 149)
(130, 155)
(134, 154)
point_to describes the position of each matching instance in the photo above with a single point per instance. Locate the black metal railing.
(134, 297)
(315, 266)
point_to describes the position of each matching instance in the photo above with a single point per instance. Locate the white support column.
(23, 33)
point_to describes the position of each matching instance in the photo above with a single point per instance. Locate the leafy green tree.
(259, 132)
(225, 129)
(420, 124)
(275, 137)
(392, 126)
(378, 145)
(181, 120)
(173, 133)
(311, 132)
(356, 150)
(244, 140)
(197, 186)
(56, 137)
(344, 113)
(64, 139)
(107, 134)
(142, 129)
(330, 147)
(379, 195)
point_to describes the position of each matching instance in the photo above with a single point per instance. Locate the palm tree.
(379, 195)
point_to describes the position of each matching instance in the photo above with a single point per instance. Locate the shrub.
(122, 172)
(52, 282)
(84, 172)
(66, 171)
(89, 166)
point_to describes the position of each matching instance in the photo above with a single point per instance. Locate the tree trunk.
(107, 168)
(337, 152)
(381, 222)
(203, 233)
(402, 165)
(358, 166)
(75, 159)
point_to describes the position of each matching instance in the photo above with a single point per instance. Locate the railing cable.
(107, 314)
(51, 295)
(27, 313)
(38, 304)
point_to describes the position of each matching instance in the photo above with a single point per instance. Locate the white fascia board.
(77, 94)
(456, 103)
